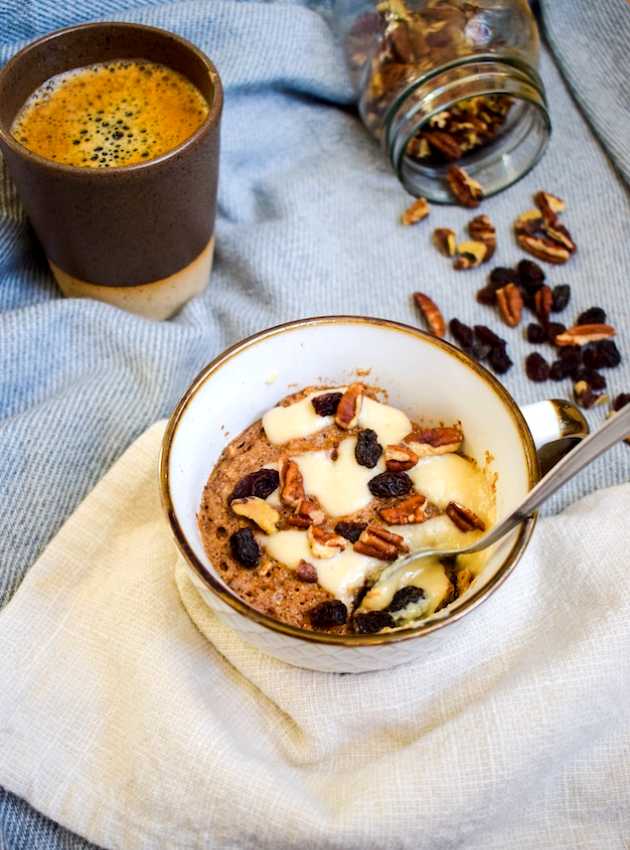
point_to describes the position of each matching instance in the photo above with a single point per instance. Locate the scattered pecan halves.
(549, 205)
(377, 542)
(399, 458)
(308, 512)
(583, 334)
(543, 302)
(464, 518)
(291, 483)
(464, 189)
(412, 509)
(419, 210)
(325, 543)
(349, 408)
(543, 248)
(445, 241)
(431, 313)
(510, 303)
(481, 229)
(470, 255)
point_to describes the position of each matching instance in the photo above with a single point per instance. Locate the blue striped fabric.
(307, 224)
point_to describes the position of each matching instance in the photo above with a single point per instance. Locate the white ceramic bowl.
(424, 376)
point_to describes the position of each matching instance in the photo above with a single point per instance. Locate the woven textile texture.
(307, 224)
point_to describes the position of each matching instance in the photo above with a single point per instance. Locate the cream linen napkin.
(130, 726)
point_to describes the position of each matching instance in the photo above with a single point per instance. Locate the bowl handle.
(556, 426)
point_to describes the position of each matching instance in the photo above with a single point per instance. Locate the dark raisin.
(260, 483)
(558, 370)
(480, 351)
(488, 337)
(306, 572)
(570, 352)
(244, 548)
(561, 296)
(350, 530)
(370, 622)
(487, 295)
(591, 358)
(499, 361)
(462, 333)
(368, 449)
(390, 484)
(596, 380)
(326, 404)
(608, 353)
(405, 596)
(536, 333)
(501, 275)
(328, 614)
(553, 330)
(592, 316)
(621, 401)
(530, 275)
(571, 362)
(536, 367)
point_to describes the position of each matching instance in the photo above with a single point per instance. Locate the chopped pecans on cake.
(315, 551)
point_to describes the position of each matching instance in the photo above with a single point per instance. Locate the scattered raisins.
(592, 316)
(350, 530)
(326, 404)
(390, 484)
(596, 380)
(244, 548)
(530, 275)
(406, 596)
(488, 337)
(462, 333)
(500, 361)
(480, 351)
(536, 333)
(558, 370)
(306, 572)
(536, 367)
(487, 295)
(328, 614)
(608, 354)
(570, 352)
(561, 297)
(368, 449)
(554, 329)
(620, 401)
(370, 622)
(501, 275)
(260, 483)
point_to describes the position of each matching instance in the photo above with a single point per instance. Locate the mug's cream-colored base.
(157, 299)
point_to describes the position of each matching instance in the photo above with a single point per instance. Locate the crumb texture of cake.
(306, 512)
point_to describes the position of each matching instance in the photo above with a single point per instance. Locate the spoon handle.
(617, 427)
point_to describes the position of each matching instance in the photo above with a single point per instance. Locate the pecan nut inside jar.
(444, 82)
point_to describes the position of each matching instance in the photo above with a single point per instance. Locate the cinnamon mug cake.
(430, 385)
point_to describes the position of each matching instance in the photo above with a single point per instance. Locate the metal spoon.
(617, 427)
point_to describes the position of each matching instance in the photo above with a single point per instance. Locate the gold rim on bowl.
(241, 607)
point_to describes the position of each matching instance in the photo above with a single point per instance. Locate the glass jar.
(443, 82)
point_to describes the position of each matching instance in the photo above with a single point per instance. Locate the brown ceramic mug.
(139, 236)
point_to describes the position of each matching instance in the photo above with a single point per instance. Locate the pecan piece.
(559, 233)
(585, 395)
(308, 512)
(413, 509)
(464, 518)
(543, 302)
(481, 229)
(400, 458)
(445, 143)
(325, 543)
(444, 241)
(349, 407)
(465, 190)
(583, 334)
(471, 254)
(378, 542)
(416, 212)
(464, 579)
(291, 483)
(549, 205)
(435, 441)
(528, 222)
(543, 248)
(259, 511)
(510, 302)
(431, 313)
